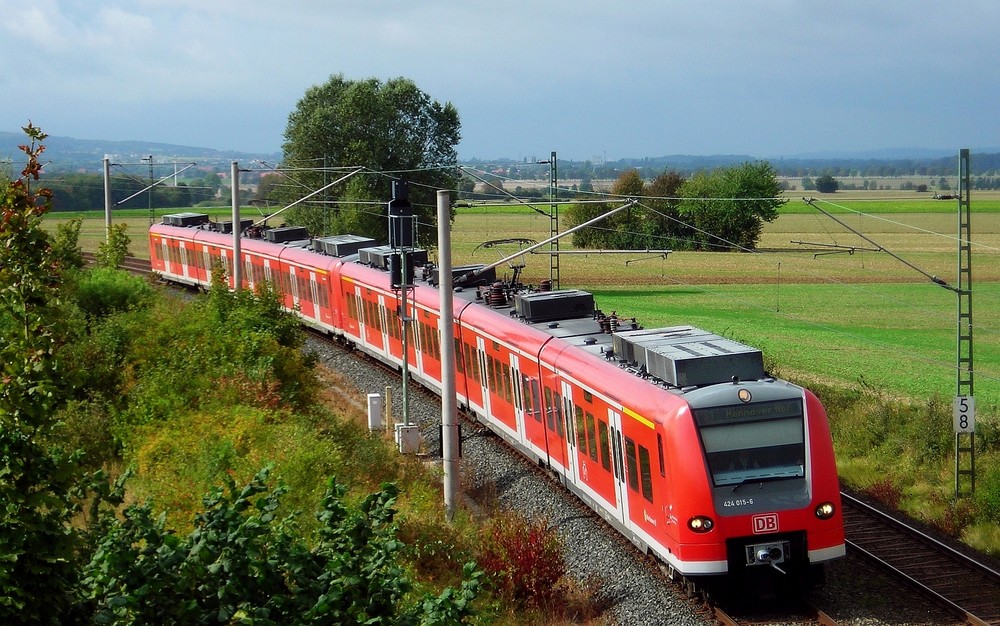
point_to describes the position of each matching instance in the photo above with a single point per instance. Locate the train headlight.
(701, 524)
(825, 510)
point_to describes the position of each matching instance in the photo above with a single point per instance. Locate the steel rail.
(933, 544)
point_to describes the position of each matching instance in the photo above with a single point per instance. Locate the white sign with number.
(964, 414)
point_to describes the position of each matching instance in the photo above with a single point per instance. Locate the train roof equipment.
(685, 356)
(185, 219)
(379, 256)
(546, 306)
(342, 245)
(286, 234)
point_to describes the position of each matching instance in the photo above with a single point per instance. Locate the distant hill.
(69, 154)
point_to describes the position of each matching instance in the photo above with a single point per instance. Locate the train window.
(631, 466)
(529, 401)
(320, 287)
(550, 410)
(352, 306)
(591, 437)
(756, 442)
(489, 373)
(645, 474)
(507, 391)
(557, 409)
(602, 433)
(473, 362)
(581, 431)
(659, 453)
(616, 447)
(588, 397)
(496, 346)
(392, 319)
(459, 361)
(303, 285)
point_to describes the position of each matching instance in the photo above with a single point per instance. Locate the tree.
(651, 225)
(390, 127)
(37, 479)
(727, 207)
(826, 184)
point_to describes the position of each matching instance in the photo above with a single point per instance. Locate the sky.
(589, 80)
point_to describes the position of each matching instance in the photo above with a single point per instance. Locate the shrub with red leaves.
(523, 558)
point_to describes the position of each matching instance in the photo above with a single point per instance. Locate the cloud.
(581, 76)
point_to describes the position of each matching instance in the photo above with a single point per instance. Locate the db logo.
(763, 524)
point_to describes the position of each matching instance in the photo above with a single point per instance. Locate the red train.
(677, 437)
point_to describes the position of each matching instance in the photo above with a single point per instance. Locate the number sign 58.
(964, 414)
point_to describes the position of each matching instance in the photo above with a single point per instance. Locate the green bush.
(86, 428)
(242, 563)
(104, 290)
(987, 496)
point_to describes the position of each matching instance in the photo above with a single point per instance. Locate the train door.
(473, 373)
(515, 383)
(165, 254)
(384, 323)
(483, 375)
(294, 285)
(206, 259)
(362, 311)
(415, 338)
(224, 260)
(314, 296)
(567, 416)
(618, 465)
(185, 268)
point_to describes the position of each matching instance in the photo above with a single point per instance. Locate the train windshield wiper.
(764, 479)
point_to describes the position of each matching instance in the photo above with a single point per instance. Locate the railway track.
(960, 583)
(130, 263)
(806, 614)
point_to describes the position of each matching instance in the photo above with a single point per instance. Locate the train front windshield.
(753, 443)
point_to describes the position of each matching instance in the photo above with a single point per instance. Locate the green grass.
(890, 202)
(900, 338)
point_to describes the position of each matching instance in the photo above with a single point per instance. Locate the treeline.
(85, 192)
(985, 165)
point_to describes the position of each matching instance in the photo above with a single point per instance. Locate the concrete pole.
(107, 198)
(237, 253)
(449, 404)
(405, 317)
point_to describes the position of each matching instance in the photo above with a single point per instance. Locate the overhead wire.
(600, 196)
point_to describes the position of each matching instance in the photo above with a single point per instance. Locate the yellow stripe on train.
(638, 417)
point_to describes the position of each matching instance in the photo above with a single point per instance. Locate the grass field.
(846, 317)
